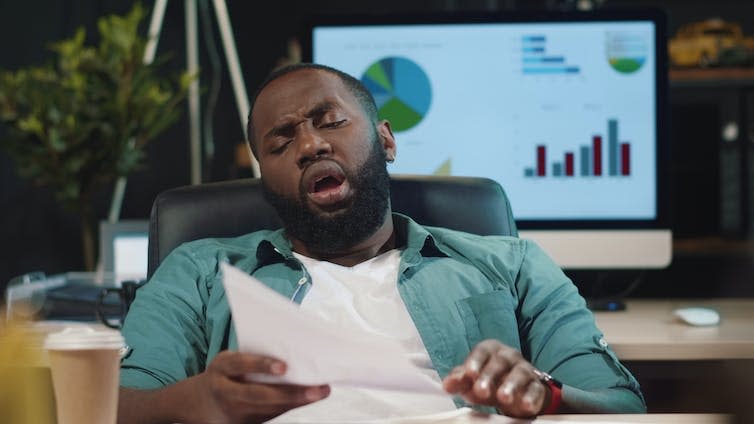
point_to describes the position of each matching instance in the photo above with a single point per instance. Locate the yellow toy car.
(713, 42)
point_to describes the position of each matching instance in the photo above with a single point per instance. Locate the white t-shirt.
(364, 298)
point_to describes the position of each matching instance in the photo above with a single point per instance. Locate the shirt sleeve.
(559, 335)
(164, 326)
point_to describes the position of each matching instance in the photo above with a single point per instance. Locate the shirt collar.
(417, 240)
(274, 247)
(415, 237)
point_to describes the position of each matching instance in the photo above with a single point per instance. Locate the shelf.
(713, 246)
(712, 77)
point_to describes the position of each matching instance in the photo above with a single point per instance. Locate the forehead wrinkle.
(290, 119)
(321, 108)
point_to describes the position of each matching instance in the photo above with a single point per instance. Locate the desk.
(465, 416)
(647, 330)
(643, 418)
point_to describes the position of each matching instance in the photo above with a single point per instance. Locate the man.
(484, 317)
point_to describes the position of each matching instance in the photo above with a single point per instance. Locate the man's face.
(322, 160)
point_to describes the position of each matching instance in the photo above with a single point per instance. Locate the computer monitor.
(567, 111)
(123, 249)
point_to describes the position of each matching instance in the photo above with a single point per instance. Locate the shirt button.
(603, 342)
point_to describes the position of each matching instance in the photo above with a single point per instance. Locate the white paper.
(269, 324)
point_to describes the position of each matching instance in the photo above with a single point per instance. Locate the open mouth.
(326, 182)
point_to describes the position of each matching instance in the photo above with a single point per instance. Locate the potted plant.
(78, 123)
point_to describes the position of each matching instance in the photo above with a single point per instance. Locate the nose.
(311, 145)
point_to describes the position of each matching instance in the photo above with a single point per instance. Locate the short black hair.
(357, 89)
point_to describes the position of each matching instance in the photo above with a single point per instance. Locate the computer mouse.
(699, 317)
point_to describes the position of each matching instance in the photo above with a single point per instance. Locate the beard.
(338, 231)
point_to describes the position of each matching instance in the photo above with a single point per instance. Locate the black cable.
(601, 300)
(600, 283)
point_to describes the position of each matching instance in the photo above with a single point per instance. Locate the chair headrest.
(233, 208)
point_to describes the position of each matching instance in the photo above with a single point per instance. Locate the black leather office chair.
(233, 208)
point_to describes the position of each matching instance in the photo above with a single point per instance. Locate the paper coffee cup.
(85, 372)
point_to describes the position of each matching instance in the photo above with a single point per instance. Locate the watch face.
(547, 378)
(543, 376)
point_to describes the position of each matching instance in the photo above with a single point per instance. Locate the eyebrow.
(319, 109)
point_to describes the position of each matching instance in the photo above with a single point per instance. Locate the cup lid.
(74, 338)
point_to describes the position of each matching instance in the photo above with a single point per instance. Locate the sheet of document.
(269, 324)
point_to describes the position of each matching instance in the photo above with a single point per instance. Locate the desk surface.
(647, 330)
(466, 416)
(640, 419)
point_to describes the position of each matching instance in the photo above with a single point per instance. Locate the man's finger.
(478, 357)
(239, 364)
(284, 394)
(527, 402)
(496, 367)
(516, 386)
(457, 381)
(533, 398)
(270, 398)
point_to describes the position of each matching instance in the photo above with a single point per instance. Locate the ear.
(387, 139)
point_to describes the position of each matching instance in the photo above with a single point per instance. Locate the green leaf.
(67, 124)
(31, 125)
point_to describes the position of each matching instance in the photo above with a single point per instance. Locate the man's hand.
(497, 375)
(221, 394)
(230, 398)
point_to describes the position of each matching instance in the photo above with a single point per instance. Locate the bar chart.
(537, 60)
(590, 158)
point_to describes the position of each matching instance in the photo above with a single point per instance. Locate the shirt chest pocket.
(489, 316)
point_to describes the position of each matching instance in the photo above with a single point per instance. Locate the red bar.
(569, 164)
(625, 159)
(541, 156)
(597, 154)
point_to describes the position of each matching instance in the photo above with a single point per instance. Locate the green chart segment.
(401, 90)
(626, 52)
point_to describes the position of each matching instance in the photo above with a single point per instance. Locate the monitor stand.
(606, 290)
(606, 304)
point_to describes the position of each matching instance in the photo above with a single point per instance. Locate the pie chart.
(401, 90)
(626, 52)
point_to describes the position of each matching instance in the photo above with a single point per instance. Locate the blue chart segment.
(401, 90)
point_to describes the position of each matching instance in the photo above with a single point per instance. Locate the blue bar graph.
(552, 70)
(557, 169)
(544, 59)
(538, 60)
(612, 146)
(586, 164)
(589, 157)
(534, 38)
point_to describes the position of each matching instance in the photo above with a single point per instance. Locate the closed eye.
(280, 148)
(334, 124)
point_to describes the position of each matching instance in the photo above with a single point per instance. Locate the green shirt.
(459, 289)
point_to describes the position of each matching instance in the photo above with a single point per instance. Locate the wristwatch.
(556, 391)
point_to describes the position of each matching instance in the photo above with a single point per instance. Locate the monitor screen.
(123, 249)
(565, 111)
